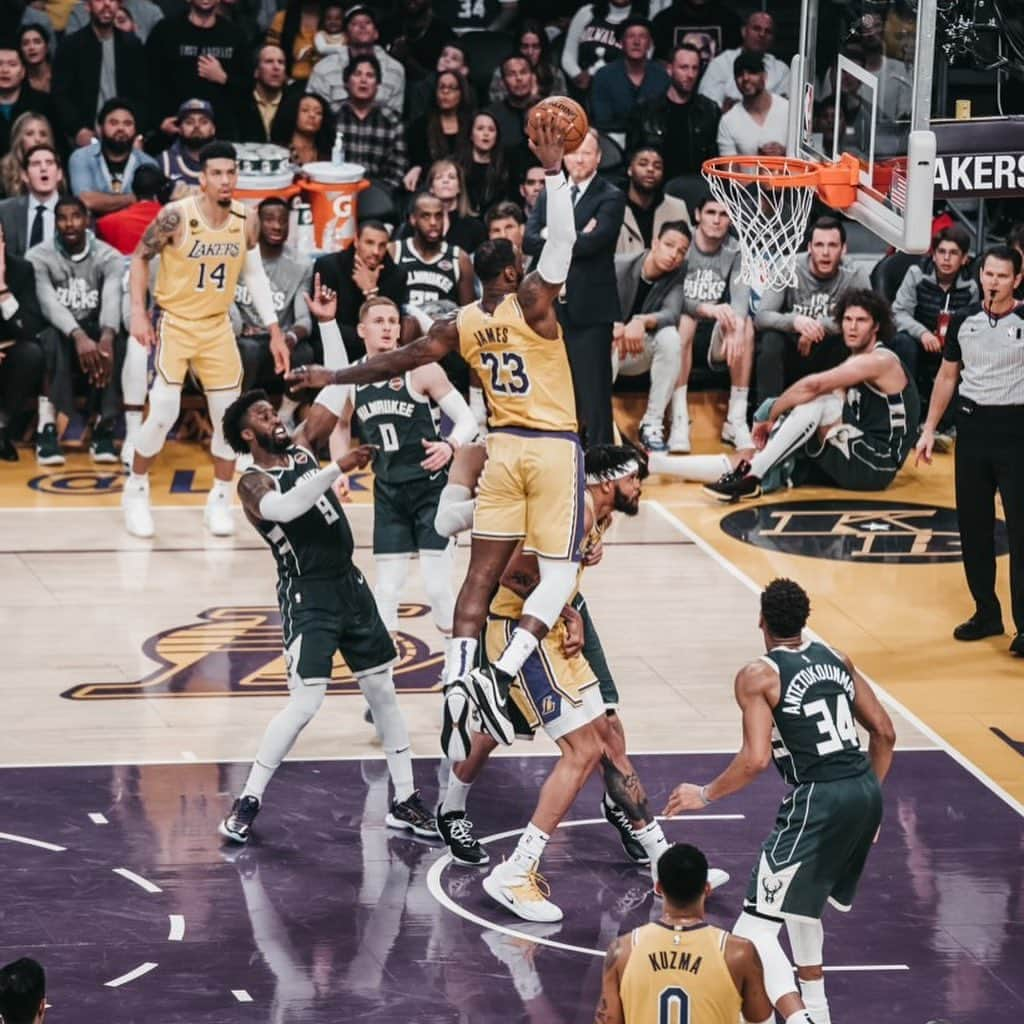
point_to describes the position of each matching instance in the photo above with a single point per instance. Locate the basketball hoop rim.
(777, 171)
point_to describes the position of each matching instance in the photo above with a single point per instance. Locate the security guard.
(984, 354)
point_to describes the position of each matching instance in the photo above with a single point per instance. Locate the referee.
(984, 354)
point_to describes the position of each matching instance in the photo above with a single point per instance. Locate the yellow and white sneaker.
(525, 893)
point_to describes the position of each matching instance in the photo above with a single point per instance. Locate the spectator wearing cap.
(329, 76)
(758, 36)
(759, 123)
(124, 228)
(198, 54)
(23, 992)
(17, 97)
(94, 65)
(195, 127)
(621, 85)
(102, 171)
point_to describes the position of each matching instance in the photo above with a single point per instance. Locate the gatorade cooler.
(264, 171)
(332, 190)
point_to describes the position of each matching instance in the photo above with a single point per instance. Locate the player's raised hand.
(358, 458)
(439, 454)
(312, 376)
(549, 148)
(323, 302)
(685, 797)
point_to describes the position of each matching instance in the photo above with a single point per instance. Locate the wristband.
(703, 794)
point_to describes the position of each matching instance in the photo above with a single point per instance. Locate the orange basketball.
(571, 113)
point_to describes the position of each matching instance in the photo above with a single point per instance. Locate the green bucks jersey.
(815, 737)
(319, 543)
(398, 419)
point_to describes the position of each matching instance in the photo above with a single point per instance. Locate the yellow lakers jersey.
(675, 975)
(525, 377)
(197, 277)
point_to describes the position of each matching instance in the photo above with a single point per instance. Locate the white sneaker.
(737, 433)
(717, 878)
(524, 893)
(679, 437)
(218, 516)
(138, 520)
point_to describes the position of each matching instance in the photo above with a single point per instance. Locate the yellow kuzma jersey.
(525, 377)
(678, 975)
(507, 604)
(196, 279)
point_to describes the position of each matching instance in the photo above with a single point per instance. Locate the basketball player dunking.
(205, 242)
(532, 488)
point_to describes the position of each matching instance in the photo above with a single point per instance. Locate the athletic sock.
(652, 839)
(460, 657)
(813, 995)
(47, 412)
(796, 429)
(529, 849)
(400, 770)
(738, 405)
(138, 481)
(220, 491)
(517, 651)
(704, 469)
(680, 410)
(458, 793)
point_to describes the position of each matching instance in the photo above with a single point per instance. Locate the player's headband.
(614, 473)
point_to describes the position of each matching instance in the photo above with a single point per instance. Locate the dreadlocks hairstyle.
(609, 462)
(785, 608)
(235, 417)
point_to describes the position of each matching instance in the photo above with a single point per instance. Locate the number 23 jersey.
(197, 277)
(525, 377)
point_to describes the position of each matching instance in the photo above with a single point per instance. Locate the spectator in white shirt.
(759, 123)
(758, 35)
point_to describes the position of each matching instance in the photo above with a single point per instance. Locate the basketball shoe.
(412, 814)
(524, 892)
(238, 823)
(457, 832)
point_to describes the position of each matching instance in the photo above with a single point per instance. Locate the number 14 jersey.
(525, 377)
(815, 737)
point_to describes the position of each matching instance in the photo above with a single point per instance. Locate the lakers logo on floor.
(79, 482)
(855, 531)
(236, 652)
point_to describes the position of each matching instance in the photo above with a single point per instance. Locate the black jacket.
(28, 321)
(250, 124)
(683, 155)
(76, 78)
(591, 291)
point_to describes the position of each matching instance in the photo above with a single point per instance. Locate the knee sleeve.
(550, 596)
(454, 510)
(764, 934)
(217, 402)
(134, 374)
(807, 939)
(379, 690)
(391, 573)
(164, 406)
(306, 696)
(436, 567)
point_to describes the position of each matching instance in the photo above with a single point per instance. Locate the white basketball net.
(770, 220)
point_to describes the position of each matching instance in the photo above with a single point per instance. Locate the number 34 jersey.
(197, 277)
(815, 736)
(525, 377)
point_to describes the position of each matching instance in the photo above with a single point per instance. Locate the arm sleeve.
(53, 312)
(556, 256)
(276, 507)
(464, 427)
(335, 353)
(255, 278)
(904, 304)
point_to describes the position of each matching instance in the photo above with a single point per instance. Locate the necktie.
(574, 194)
(36, 234)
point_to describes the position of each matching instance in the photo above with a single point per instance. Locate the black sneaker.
(736, 485)
(457, 832)
(8, 453)
(413, 816)
(490, 698)
(48, 450)
(237, 825)
(101, 447)
(616, 817)
(456, 719)
(1017, 645)
(977, 629)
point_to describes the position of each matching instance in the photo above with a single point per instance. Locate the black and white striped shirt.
(991, 357)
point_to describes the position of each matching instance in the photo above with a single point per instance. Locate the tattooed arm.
(609, 1008)
(163, 231)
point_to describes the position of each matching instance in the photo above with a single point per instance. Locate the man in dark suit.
(28, 219)
(17, 98)
(651, 295)
(591, 302)
(94, 65)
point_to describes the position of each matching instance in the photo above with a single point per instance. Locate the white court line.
(886, 697)
(869, 967)
(241, 995)
(142, 883)
(137, 972)
(11, 837)
(177, 932)
(98, 819)
(189, 755)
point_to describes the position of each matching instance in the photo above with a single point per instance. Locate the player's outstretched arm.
(853, 371)
(164, 230)
(868, 711)
(744, 965)
(609, 1007)
(442, 338)
(753, 686)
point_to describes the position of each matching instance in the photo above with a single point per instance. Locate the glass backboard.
(862, 84)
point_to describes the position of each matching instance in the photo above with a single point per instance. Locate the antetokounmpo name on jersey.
(792, 701)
